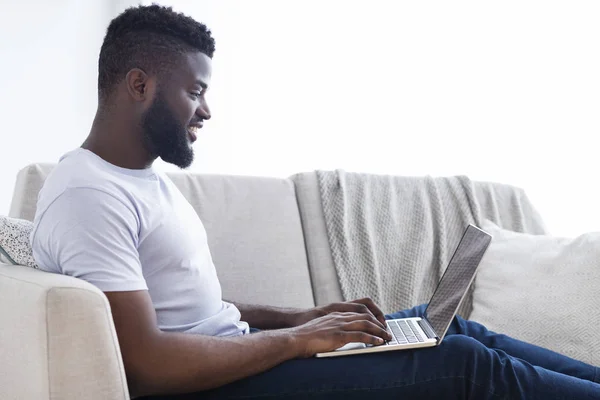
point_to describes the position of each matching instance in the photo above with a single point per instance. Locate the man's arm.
(269, 317)
(91, 229)
(159, 362)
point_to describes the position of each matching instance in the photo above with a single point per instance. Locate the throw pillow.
(14, 241)
(543, 290)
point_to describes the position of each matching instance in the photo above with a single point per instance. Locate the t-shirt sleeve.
(92, 235)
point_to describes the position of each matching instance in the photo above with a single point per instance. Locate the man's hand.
(336, 329)
(360, 306)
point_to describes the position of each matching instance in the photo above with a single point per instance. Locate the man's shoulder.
(76, 170)
(80, 171)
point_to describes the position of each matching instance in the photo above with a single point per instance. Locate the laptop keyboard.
(404, 332)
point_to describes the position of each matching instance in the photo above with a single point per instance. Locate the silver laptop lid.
(456, 280)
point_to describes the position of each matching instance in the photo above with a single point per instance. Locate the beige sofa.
(269, 243)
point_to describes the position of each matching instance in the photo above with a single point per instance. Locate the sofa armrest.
(57, 339)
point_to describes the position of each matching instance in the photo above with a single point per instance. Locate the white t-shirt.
(124, 230)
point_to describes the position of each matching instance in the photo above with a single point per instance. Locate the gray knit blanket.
(392, 237)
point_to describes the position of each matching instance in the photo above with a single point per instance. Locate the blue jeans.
(471, 363)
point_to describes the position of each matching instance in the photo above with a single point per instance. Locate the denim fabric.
(471, 363)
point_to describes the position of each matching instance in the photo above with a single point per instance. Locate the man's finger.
(353, 307)
(368, 327)
(376, 311)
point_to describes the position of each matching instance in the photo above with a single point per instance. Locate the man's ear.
(138, 84)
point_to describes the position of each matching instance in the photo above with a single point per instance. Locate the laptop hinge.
(426, 326)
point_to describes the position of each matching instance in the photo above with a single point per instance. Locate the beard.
(164, 136)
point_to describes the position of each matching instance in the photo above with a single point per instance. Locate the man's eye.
(196, 94)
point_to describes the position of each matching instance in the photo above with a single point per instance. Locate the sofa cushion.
(14, 241)
(255, 236)
(29, 182)
(542, 289)
(253, 227)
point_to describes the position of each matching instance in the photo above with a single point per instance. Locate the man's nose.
(204, 111)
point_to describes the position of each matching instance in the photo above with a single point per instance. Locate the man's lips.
(193, 132)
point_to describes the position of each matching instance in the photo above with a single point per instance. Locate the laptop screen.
(456, 279)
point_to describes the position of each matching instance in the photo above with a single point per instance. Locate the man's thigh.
(387, 375)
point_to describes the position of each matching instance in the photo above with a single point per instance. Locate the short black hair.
(149, 38)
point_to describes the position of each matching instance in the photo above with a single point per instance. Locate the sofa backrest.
(253, 227)
(326, 284)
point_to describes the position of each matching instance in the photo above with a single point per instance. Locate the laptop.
(429, 331)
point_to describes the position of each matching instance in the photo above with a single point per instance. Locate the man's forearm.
(268, 317)
(181, 362)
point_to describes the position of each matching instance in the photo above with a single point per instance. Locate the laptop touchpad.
(352, 346)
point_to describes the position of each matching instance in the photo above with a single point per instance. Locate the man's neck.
(118, 141)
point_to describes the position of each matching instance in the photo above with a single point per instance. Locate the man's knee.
(461, 362)
(464, 351)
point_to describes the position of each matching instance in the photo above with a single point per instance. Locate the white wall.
(503, 91)
(48, 70)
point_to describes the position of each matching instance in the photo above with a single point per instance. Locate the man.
(106, 216)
